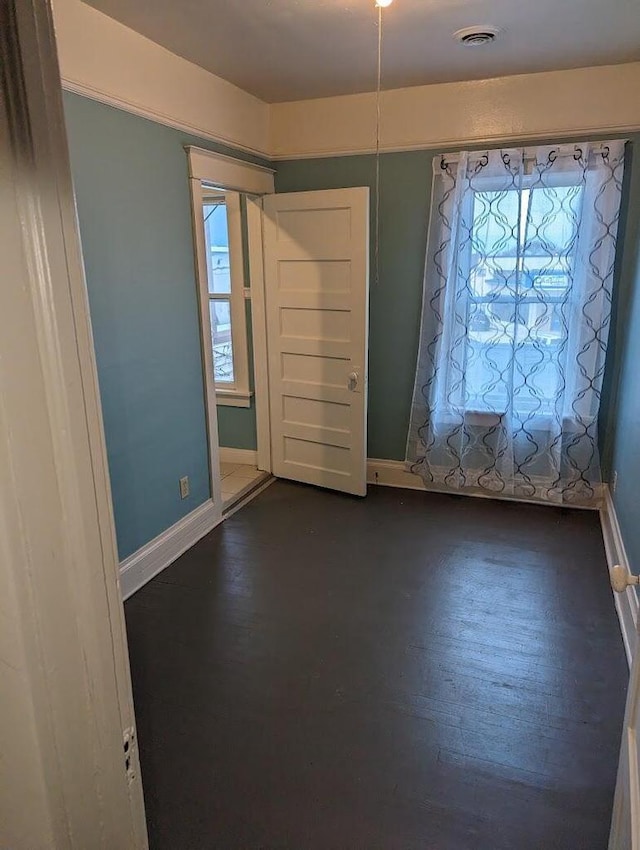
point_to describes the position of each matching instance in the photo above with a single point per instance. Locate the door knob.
(353, 380)
(621, 578)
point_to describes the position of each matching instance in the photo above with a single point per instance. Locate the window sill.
(233, 398)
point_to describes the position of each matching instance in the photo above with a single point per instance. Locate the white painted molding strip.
(159, 553)
(627, 602)
(227, 172)
(245, 456)
(392, 473)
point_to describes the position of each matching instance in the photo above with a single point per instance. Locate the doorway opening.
(229, 311)
(227, 225)
(283, 288)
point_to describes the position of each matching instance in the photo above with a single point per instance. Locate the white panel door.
(316, 252)
(625, 823)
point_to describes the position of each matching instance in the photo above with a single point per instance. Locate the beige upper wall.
(551, 104)
(110, 62)
(107, 61)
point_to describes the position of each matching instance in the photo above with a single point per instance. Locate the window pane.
(217, 247)
(220, 312)
(521, 259)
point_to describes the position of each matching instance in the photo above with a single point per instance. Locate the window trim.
(236, 393)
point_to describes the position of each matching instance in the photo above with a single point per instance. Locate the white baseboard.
(143, 565)
(627, 602)
(392, 473)
(247, 456)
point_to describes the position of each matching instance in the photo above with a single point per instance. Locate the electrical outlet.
(184, 487)
(614, 481)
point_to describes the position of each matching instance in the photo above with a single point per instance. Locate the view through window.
(219, 280)
(521, 255)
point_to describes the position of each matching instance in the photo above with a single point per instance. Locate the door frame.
(66, 684)
(255, 248)
(229, 174)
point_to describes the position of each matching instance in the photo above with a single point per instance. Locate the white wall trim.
(206, 352)
(140, 567)
(627, 602)
(233, 398)
(255, 247)
(193, 129)
(227, 172)
(159, 553)
(392, 473)
(246, 456)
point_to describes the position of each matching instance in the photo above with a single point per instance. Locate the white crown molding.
(627, 602)
(159, 117)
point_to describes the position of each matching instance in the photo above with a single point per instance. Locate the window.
(521, 259)
(515, 317)
(223, 247)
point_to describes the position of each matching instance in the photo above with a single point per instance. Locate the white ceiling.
(296, 49)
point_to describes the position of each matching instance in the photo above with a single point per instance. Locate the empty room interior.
(363, 289)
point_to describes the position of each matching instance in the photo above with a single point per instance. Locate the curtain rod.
(530, 151)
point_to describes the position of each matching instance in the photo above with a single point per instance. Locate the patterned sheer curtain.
(515, 320)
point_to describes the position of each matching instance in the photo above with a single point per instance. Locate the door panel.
(316, 251)
(625, 822)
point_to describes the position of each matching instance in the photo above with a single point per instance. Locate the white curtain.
(515, 320)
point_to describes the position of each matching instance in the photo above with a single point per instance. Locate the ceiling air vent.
(476, 36)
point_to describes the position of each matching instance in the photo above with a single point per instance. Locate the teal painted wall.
(395, 302)
(130, 177)
(131, 184)
(624, 427)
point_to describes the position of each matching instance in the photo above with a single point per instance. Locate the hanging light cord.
(377, 209)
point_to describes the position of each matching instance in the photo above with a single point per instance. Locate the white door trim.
(195, 186)
(626, 602)
(66, 684)
(230, 174)
(227, 172)
(255, 246)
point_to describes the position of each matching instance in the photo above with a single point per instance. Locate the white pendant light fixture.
(384, 2)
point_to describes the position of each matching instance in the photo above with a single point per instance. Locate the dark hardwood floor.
(404, 671)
